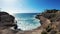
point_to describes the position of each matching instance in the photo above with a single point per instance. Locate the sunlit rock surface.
(52, 26)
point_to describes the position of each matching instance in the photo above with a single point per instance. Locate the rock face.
(52, 26)
(6, 19)
(6, 22)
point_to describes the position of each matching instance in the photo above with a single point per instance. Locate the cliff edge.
(50, 21)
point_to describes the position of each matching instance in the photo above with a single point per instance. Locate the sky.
(28, 6)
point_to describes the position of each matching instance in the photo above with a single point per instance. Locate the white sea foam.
(27, 22)
(24, 25)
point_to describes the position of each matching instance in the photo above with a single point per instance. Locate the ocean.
(27, 21)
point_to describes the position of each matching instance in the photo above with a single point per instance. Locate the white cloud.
(9, 1)
(16, 6)
(13, 10)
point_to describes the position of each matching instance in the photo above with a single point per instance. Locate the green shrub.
(48, 29)
(44, 32)
(51, 11)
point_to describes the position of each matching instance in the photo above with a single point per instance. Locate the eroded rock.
(6, 22)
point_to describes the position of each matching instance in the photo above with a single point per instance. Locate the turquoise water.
(27, 21)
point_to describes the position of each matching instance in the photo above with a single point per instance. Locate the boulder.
(6, 19)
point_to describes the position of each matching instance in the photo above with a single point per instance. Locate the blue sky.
(28, 6)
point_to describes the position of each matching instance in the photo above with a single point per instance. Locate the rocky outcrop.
(52, 26)
(6, 23)
(6, 19)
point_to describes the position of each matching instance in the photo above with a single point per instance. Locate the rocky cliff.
(6, 23)
(52, 25)
(49, 20)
